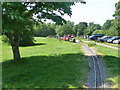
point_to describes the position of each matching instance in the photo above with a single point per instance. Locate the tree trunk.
(14, 41)
(16, 53)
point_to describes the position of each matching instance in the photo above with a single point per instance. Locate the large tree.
(92, 27)
(117, 17)
(65, 29)
(80, 28)
(108, 24)
(43, 30)
(18, 17)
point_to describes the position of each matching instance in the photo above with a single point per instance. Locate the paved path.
(105, 45)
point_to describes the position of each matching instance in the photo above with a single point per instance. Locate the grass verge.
(49, 64)
(110, 44)
(111, 59)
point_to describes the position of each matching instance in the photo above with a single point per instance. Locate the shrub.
(5, 39)
(91, 44)
(24, 40)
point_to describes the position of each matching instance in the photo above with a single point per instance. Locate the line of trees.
(83, 28)
(110, 27)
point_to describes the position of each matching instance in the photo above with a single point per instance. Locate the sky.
(97, 11)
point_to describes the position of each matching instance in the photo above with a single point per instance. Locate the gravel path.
(105, 45)
(95, 79)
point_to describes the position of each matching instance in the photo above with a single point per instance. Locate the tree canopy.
(43, 30)
(65, 29)
(18, 18)
(80, 28)
(117, 17)
(108, 24)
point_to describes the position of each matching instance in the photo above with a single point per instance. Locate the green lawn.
(111, 44)
(49, 64)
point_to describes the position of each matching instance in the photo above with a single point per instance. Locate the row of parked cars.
(109, 39)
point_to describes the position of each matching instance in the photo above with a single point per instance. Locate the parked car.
(112, 39)
(95, 37)
(117, 41)
(104, 38)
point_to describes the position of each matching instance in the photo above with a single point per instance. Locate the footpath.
(104, 45)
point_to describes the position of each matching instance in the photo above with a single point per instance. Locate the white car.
(116, 41)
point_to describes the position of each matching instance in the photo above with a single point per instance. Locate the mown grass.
(111, 59)
(110, 44)
(49, 64)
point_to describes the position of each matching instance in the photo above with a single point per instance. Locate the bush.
(5, 39)
(91, 44)
(26, 40)
(100, 32)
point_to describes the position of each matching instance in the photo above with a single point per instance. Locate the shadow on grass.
(112, 66)
(45, 72)
(59, 71)
(35, 44)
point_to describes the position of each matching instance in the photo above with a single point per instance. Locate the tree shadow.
(58, 71)
(112, 63)
(35, 44)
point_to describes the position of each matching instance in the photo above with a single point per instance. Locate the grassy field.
(49, 64)
(111, 44)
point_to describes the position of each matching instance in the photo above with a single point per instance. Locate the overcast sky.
(97, 11)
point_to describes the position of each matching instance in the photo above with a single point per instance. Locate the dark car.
(95, 37)
(112, 39)
(104, 38)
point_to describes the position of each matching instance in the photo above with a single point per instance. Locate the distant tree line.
(83, 28)
(110, 27)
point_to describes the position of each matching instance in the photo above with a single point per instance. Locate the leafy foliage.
(107, 25)
(65, 29)
(117, 17)
(99, 32)
(92, 27)
(80, 28)
(43, 30)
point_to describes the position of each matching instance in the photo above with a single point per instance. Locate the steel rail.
(95, 60)
(98, 64)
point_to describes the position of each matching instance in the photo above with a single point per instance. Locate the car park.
(104, 38)
(95, 37)
(116, 41)
(112, 39)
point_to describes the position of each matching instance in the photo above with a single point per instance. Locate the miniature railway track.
(98, 79)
